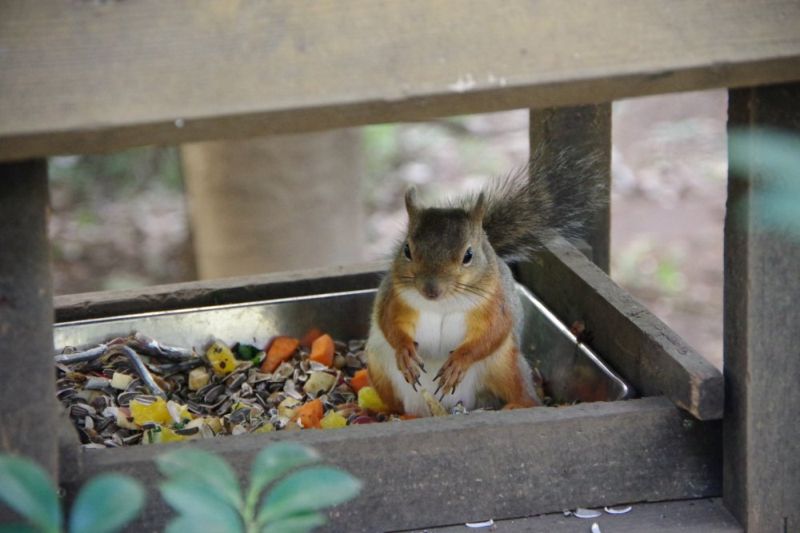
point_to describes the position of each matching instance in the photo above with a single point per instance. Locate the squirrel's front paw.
(449, 376)
(410, 364)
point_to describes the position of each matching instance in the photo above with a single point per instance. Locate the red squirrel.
(447, 316)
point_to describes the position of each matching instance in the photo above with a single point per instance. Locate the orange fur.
(504, 380)
(385, 389)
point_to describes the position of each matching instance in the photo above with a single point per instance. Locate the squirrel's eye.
(407, 251)
(467, 256)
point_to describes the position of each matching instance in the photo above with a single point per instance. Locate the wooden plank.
(440, 471)
(27, 382)
(633, 341)
(221, 291)
(573, 132)
(683, 516)
(762, 291)
(94, 76)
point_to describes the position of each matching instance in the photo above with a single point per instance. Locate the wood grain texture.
(581, 130)
(638, 345)
(97, 76)
(221, 291)
(27, 380)
(439, 471)
(683, 516)
(761, 354)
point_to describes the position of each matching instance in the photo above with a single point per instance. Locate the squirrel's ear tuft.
(411, 201)
(479, 209)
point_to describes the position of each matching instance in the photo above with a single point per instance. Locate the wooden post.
(27, 379)
(762, 313)
(585, 128)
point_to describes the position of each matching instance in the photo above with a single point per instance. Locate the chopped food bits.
(221, 358)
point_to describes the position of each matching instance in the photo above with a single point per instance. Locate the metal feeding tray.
(571, 372)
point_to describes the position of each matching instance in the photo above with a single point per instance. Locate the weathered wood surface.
(762, 313)
(213, 292)
(577, 131)
(440, 471)
(27, 383)
(639, 346)
(92, 76)
(683, 516)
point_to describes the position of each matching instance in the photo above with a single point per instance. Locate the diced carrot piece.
(360, 379)
(310, 414)
(310, 336)
(322, 350)
(280, 349)
(408, 417)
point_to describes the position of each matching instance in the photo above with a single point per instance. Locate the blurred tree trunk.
(275, 203)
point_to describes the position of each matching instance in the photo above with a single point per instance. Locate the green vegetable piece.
(106, 504)
(308, 490)
(204, 469)
(246, 352)
(26, 488)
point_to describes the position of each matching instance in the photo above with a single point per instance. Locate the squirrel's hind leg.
(509, 377)
(384, 387)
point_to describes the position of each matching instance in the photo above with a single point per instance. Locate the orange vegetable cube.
(322, 350)
(360, 380)
(281, 349)
(310, 336)
(310, 414)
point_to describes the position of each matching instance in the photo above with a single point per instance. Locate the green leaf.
(27, 489)
(276, 460)
(204, 469)
(106, 504)
(184, 523)
(194, 502)
(308, 490)
(18, 528)
(300, 523)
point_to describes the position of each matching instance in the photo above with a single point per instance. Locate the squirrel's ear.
(479, 209)
(411, 201)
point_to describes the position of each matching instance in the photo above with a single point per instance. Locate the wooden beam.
(97, 76)
(27, 383)
(581, 130)
(683, 516)
(638, 345)
(762, 311)
(220, 291)
(439, 471)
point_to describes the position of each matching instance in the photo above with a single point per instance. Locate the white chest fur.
(438, 334)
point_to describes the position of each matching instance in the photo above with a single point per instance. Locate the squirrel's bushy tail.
(558, 194)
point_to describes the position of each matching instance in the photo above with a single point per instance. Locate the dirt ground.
(120, 221)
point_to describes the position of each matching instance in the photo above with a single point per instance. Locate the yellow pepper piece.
(221, 358)
(266, 428)
(333, 420)
(368, 399)
(161, 435)
(144, 412)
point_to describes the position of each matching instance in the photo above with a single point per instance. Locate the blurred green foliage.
(105, 504)
(770, 160)
(202, 488)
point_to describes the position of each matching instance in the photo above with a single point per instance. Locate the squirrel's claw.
(449, 376)
(408, 362)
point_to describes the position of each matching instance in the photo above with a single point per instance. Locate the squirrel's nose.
(431, 290)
